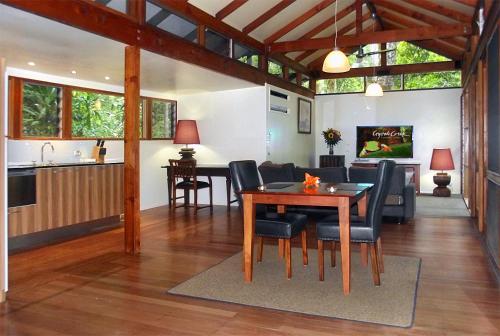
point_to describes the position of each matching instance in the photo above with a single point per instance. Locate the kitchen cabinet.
(70, 195)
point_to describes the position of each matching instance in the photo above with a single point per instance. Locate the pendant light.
(336, 61)
(374, 89)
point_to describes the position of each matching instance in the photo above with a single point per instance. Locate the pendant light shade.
(374, 90)
(336, 62)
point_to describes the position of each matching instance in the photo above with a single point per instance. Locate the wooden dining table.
(282, 194)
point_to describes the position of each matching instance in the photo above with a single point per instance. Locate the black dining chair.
(245, 176)
(364, 230)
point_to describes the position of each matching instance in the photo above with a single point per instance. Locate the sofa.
(400, 203)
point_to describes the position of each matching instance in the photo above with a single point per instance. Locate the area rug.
(393, 303)
(430, 206)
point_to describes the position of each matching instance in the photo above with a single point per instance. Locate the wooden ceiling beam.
(328, 23)
(410, 34)
(358, 4)
(267, 15)
(441, 9)
(317, 64)
(373, 12)
(470, 3)
(401, 19)
(394, 70)
(231, 7)
(432, 45)
(189, 11)
(298, 21)
(108, 23)
(342, 31)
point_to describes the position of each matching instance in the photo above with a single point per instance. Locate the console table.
(331, 161)
(413, 167)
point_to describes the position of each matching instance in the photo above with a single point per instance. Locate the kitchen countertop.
(58, 165)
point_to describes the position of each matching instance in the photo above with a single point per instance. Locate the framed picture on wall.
(304, 116)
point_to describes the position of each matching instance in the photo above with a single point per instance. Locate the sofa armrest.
(410, 200)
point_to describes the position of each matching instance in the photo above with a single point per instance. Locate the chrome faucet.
(43, 147)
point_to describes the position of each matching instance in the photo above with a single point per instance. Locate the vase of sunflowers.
(332, 138)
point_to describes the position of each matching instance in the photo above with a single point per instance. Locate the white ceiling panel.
(251, 10)
(210, 6)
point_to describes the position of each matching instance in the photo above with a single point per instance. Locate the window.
(305, 81)
(407, 53)
(36, 109)
(275, 68)
(388, 83)
(245, 55)
(117, 5)
(368, 60)
(41, 110)
(97, 115)
(433, 80)
(163, 119)
(166, 20)
(340, 85)
(217, 43)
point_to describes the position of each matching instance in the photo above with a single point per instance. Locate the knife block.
(99, 154)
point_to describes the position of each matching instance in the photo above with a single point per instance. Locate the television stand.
(411, 167)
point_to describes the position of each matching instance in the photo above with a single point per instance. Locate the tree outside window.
(41, 110)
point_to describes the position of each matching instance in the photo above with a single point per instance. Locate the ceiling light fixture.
(73, 72)
(107, 78)
(374, 89)
(31, 63)
(336, 61)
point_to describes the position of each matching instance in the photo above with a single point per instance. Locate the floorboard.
(89, 286)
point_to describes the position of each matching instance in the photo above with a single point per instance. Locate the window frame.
(15, 111)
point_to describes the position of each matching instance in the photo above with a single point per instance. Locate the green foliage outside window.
(444, 79)
(97, 115)
(405, 53)
(252, 60)
(163, 114)
(41, 110)
(340, 85)
(275, 68)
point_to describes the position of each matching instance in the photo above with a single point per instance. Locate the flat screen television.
(384, 142)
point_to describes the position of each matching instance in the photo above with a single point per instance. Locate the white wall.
(232, 126)
(434, 114)
(284, 143)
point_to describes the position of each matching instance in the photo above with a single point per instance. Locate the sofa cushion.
(277, 173)
(326, 175)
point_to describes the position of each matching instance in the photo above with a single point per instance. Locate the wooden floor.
(89, 287)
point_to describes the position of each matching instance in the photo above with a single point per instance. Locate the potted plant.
(332, 138)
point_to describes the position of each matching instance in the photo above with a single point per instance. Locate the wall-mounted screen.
(384, 142)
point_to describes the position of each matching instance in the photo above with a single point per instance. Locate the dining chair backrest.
(244, 175)
(379, 194)
(183, 169)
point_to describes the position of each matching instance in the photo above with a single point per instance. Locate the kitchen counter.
(14, 166)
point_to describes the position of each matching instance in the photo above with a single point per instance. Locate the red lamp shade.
(442, 159)
(186, 132)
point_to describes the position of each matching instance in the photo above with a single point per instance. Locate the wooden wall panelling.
(480, 145)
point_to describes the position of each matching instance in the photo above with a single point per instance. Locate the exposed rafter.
(298, 21)
(342, 31)
(231, 7)
(410, 13)
(411, 34)
(406, 23)
(267, 15)
(442, 10)
(395, 70)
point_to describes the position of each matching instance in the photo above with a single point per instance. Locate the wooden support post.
(137, 10)
(3, 222)
(132, 182)
(201, 35)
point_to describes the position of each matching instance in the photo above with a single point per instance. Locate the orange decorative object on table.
(311, 181)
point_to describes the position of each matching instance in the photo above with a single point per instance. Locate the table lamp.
(442, 160)
(186, 133)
